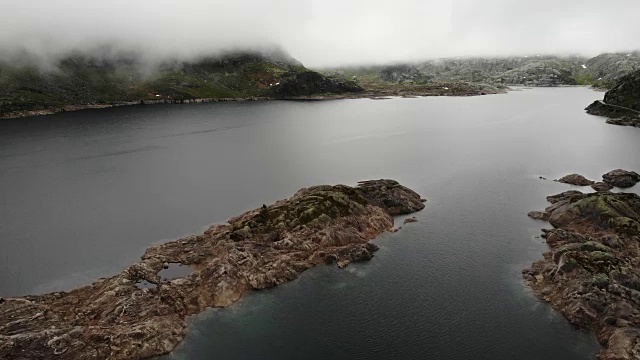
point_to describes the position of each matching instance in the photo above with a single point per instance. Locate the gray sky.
(328, 32)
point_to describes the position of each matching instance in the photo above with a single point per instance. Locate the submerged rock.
(621, 178)
(410, 220)
(538, 215)
(575, 179)
(591, 273)
(122, 318)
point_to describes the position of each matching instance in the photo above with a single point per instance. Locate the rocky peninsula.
(139, 314)
(591, 273)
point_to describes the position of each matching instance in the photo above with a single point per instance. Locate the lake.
(84, 193)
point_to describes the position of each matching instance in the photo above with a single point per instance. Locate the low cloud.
(323, 33)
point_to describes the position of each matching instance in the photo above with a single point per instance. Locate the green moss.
(625, 225)
(600, 280)
(569, 265)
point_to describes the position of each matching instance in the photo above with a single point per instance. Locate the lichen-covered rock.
(591, 274)
(115, 318)
(621, 178)
(575, 179)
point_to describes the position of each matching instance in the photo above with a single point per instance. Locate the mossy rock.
(625, 225)
(600, 280)
(569, 265)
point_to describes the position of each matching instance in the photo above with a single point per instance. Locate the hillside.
(601, 71)
(605, 70)
(92, 79)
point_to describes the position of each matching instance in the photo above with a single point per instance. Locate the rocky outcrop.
(139, 314)
(601, 186)
(308, 83)
(403, 73)
(622, 103)
(575, 179)
(621, 178)
(591, 275)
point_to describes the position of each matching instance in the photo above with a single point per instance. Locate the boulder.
(621, 178)
(575, 179)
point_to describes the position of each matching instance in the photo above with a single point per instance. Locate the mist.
(322, 33)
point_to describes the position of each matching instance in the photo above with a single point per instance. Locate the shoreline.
(140, 314)
(367, 94)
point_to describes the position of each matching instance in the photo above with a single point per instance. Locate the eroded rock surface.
(115, 319)
(621, 178)
(592, 273)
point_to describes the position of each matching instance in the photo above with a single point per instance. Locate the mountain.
(621, 104)
(83, 79)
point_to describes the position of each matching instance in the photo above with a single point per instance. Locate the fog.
(324, 33)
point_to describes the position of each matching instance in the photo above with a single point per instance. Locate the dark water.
(83, 194)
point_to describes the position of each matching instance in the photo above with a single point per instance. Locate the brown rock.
(601, 186)
(410, 220)
(621, 178)
(575, 179)
(538, 215)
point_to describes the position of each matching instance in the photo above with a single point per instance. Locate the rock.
(538, 215)
(165, 265)
(591, 274)
(391, 196)
(563, 196)
(621, 104)
(262, 248)
(601, 186)
(309, 83)
(621, 178)
(575, 179)
(410, 220)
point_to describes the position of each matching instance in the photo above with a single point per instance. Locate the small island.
(140, 314)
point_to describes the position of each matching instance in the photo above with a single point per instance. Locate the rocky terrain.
(106, 77)
(139, 313)
(605, 70)
(621, 104)
(602, 71)
(591, 273)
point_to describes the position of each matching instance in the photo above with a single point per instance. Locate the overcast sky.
(328, 32)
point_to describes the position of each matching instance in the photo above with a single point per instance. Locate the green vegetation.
(81, 79)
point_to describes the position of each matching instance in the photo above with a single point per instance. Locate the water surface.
(84, 193)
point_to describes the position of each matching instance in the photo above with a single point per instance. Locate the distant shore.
(462, 89)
